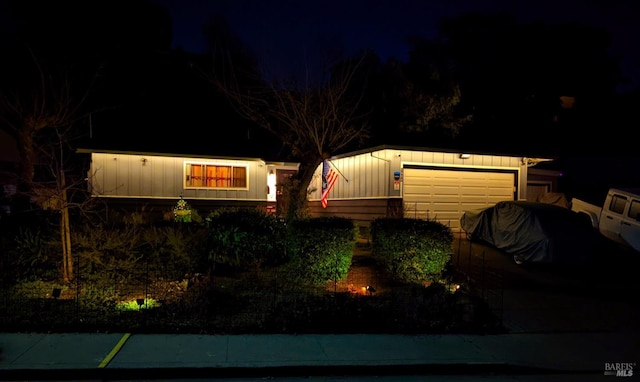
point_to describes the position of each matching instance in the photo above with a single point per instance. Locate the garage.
(444, 193)
(421, 183)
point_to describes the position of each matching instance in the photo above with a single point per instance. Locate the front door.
(283, 180)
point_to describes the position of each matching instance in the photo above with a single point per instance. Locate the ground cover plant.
(180, 278)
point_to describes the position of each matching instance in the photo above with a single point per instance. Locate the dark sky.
(286, 33)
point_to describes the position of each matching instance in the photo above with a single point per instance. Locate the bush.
(29, 246)
(321, 249)
(411, 250)
(174, 250)
(245, 238)
(125, 251)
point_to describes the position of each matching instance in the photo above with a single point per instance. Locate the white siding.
(153, 176)
(359, 176)
(370, 175)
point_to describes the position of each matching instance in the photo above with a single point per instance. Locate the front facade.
(156, 180)
(382, 181)
(419, 183)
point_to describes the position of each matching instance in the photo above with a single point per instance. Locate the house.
(426, 183)
(380, 181)
(156, 181)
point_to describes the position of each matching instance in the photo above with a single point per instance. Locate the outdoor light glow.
(134, 305)
(271, 184)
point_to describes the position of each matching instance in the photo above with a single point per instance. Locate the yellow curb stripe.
(114, 351)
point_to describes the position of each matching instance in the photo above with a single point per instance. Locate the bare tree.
(63, 189)
(312, 121)
(41, 118)
(47, 103)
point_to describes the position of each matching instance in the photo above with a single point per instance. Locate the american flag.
(329, 177)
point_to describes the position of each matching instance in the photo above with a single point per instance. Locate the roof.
(227, 154)
(165, 154)
(434, 149)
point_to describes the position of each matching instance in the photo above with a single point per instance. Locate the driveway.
(598, 296)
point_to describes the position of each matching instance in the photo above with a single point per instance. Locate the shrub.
(411, 250)
(174, 250)
(245, 238)
(111, 252)
(321, 249)
(30, 252)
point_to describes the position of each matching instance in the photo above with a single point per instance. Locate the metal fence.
(470, 262)
(258, 301)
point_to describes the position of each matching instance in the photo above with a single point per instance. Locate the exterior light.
(465, 156)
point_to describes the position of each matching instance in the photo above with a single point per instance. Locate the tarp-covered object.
(532, 232)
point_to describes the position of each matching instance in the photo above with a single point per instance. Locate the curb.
(282, 371)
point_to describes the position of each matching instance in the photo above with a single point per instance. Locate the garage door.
(444, 194)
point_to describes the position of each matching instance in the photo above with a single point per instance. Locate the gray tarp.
(535, 232)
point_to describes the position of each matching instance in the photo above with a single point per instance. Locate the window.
(634, 210)
(215, 176)
(617, 204)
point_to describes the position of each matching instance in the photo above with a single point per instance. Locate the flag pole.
(338, 170)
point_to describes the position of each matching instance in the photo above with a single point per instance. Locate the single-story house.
(426, 183)
(156, 181)
(376, 182)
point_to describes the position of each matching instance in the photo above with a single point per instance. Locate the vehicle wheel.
(518, 260)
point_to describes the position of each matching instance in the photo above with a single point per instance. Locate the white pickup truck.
(619, 217)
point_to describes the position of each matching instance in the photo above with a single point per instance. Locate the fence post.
(78, 273)
(482, 274)
(469, 259)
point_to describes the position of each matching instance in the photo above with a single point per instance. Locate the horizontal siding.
(370, 175)
(147, 176)
(362, 211)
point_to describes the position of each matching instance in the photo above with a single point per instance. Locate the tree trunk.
(65, 233)
(298, 198)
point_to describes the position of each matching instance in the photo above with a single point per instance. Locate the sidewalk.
(95, 356)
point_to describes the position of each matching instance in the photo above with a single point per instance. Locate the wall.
(370, 174)
(150, 176)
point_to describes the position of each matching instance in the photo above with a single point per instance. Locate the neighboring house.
(424, 183)
(377, 182)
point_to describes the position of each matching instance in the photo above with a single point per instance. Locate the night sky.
(289, 35)
(285, 34)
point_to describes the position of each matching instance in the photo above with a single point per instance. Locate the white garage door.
(444, 194)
